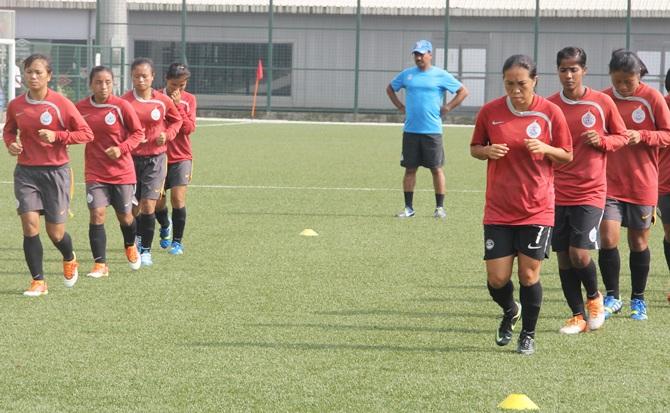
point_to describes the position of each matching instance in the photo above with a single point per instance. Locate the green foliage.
(374, 314)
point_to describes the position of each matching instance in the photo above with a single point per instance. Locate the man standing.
(422, 135)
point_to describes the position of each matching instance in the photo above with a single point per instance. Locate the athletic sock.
(162, 217)
(531, 301)
(639, 272)
(610, 265)
(65, 247)
(147, 227)
(439, 200)
(504, 296)
(589, 278)
(409, 197)
(178, 223)
(32, 250)
(572, 290)
(98, 240)
(129, 233)
(666, 250)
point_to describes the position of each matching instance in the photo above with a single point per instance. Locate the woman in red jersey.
(161, 121)
(521, 136)
(39, 126)
(180, 161)
(596, 128)
(632, 180)
(109, 169)
(664, 187)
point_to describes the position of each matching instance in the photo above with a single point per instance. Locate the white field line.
(304, 122)
(302, 188)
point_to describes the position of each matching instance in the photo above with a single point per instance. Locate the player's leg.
(609, 260)
(640, 219)
(410, 159)
(163, 220)
(97, 198)
(178, 201)
(433, 158)
(122, 196)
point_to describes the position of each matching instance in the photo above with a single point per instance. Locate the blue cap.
(423, 46)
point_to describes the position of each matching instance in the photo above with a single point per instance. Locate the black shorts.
(576, 226)
(150, 172)
(663, 210)
(179, 174)
(505, 240)
(422, 150)
(632, 216)
(43, 189)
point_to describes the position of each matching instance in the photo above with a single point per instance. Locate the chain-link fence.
(340, 59)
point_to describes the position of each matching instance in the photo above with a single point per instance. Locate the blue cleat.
(145, 258)
(166, 234)
(638, 309)
(612, 306)
(176, 249)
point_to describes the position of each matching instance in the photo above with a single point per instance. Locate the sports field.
(374, 314)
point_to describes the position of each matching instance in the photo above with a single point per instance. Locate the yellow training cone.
(309, 233)
(517, 402)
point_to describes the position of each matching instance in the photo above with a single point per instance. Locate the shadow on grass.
(330, 347)
(455, 314)
(379, 328)
(390, 216)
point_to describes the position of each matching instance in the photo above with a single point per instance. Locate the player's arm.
(394, 98)
(173, 120)
(188, 118)
(485, 152)
(77, 131)
(9, 133)
(460, 96)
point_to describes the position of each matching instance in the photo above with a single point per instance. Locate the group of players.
(137, 147)
(567, 172)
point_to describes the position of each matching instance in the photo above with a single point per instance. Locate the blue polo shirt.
(424, 96)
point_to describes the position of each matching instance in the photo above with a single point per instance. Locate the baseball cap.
(423, 46)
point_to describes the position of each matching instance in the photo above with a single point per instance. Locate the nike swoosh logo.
(497, 122)
(85, 116)
(646, 216)
(534, 247)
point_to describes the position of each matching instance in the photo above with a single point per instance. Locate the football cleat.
(612, 306)
(596, 311)
(574, 325)
(440, 213)
(133, 257)
(70, 272)
(36, 289)
(145, 258)
(526, 344)
(99, 270)
(406, 213)
(176, 248)
(166, 234)
(504, 333)
(638, 309)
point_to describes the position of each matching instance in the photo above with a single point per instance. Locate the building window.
(224, 68)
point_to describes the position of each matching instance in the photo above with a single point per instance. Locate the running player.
(109, 170)
(522, 136)
(422, 134)
(632, 180)
(664, 187)
(161, 121)
(596, 128)
(180, 161)
(39, 126)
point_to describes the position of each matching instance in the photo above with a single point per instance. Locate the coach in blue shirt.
(425, 86)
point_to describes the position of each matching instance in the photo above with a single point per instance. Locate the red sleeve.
(616, 137)
(78, 130)
(660, 136)
(173, 119)
(133, 128)
(562, 138)
(188, 127)
(480, 134)
(9, 131)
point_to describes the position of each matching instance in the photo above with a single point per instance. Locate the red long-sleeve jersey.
(664, 165)
(114, 123)
(157, 115)
(632, 172)
(56, 113)
(179, 149)
(584, 180)
(520, 187)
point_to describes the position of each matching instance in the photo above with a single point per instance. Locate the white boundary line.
(302, 188)
(246, 121)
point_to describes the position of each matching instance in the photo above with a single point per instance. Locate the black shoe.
(526, 344)
(504, 333)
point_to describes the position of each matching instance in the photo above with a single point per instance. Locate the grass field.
(375, 314)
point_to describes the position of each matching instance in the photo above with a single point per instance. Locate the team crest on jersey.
(588, 120)
(46, 118)
(409, 77)
(89, 197)
(490, 244)
(155, 114)
(534, 130)
(110, 119)
(638, 115)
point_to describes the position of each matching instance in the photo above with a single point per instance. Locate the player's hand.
(443, 110)
(161, 139)
(113, 152)
(634, 137)
(536, 146)
(592, 138)
(402, 109)
(176, 96)
(497, 150)
(47, 135)
(15, 148)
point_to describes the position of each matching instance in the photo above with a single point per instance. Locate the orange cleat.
(70, 272)
(37, 288)
(574, 325)
(596, 310)
(100, 269)
(133, 257)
